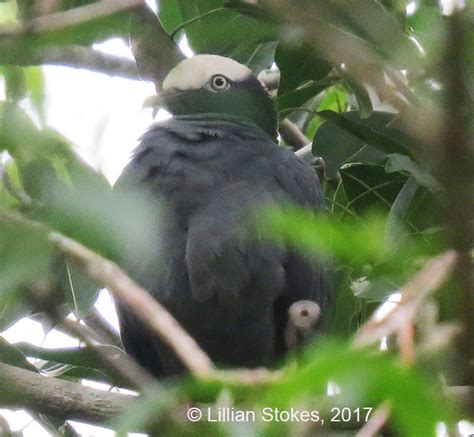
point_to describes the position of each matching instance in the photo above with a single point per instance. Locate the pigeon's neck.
(220, 125)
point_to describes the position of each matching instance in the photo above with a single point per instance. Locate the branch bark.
(71, 17)
(56, 397)
(155, 52)
(455, 167)
(78, 57)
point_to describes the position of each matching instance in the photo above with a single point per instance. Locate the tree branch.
(155, 52)
(115, 361)
(414, 293)
(293, 135)
(78, 57)
(100, 325)
(56, 397)
(455, 167)
(140, 301)
(71, 17)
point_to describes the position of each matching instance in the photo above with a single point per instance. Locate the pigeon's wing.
(225, 256)
(305, 278)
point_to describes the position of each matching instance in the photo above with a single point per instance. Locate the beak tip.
(153, 101)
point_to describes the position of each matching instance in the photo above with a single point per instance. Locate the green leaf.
(78, 362)
(396, 229)
(256, 56)
(373, 130)
(428, 27)
(170, 14)
(359, 242)
(233, 34)
(81, 293)
(15, 86)
(25, 255)
(346, 137)
(9, 354)
(366, 379)
(338, 143)
(293, 100)
(380, 29)
(12, 308)
(35, 86)
(344, 321)
(297, 65)
(75, 356)
(334, 98)
(68, 28)
(8, 12)
(369, 188)
(397, 163)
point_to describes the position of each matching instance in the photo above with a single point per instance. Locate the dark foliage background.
(385, 99)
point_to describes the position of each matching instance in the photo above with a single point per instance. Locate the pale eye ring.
(219, 83)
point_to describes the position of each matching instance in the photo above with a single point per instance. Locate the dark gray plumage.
(230, 290)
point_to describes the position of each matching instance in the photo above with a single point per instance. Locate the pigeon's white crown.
(193, 73)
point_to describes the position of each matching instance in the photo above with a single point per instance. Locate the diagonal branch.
(155, 52)
(140, 301)
(414, 293)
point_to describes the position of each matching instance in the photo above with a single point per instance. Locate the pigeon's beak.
(155, 101)
(158, 101)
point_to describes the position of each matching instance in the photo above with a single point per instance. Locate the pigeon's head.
(218, 86)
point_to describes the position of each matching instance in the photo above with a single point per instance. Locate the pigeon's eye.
(219, 83)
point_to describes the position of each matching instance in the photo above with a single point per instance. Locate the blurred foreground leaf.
(84, 25)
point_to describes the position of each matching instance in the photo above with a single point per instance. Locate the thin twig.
(377, 421)
(15, 192)
(414, 293)
(97, 323)
(116, 361)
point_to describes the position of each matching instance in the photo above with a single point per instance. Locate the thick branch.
(455, 167)
(155, 52)
(72, 17)
(56, 397)
(78, 57)
(293, 135)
